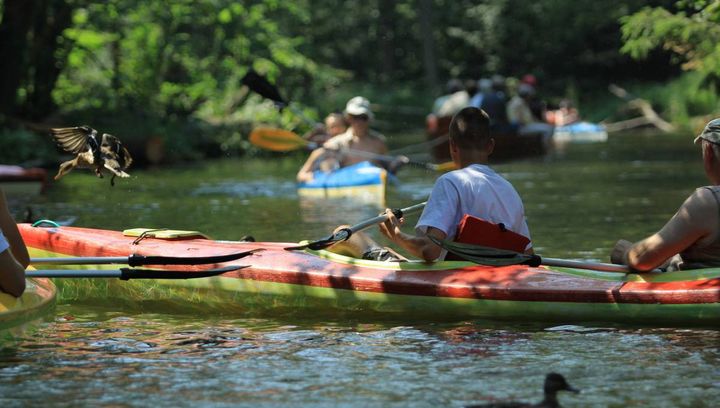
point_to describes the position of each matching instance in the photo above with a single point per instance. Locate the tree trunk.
(387, 38)
(14, 31)
(426, 31)
(51, 20)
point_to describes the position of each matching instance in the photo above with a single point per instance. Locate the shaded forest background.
(167, 73)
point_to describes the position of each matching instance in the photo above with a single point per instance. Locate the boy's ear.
(490, 146)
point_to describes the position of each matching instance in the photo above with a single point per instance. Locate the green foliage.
(171, 69)
(691, 34)
(177, 58)
(27, 148)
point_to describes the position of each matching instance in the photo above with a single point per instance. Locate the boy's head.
(335, 124)
(470, 129)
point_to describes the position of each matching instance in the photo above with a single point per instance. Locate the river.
(579, 201)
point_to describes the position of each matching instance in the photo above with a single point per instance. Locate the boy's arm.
(420, 246)
(305, 174)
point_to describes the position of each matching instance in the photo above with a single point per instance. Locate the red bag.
(474, 230)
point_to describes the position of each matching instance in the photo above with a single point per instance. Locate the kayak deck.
(322, 280)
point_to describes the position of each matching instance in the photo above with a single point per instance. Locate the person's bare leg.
(358, 244)
(355, 246)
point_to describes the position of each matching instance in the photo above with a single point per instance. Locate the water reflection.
(111, 357)
(335, 211)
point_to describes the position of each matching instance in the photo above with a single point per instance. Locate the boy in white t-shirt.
(475, 189)
(14, 257)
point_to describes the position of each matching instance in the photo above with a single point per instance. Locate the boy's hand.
(391, 227)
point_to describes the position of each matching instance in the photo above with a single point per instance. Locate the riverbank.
(172, 140)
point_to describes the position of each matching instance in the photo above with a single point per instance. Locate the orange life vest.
(474, 230)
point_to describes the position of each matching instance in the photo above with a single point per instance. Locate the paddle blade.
(278, 140)
(262, 87)
(445, 167)
(136, 260)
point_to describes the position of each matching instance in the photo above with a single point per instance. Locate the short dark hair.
(470, 128)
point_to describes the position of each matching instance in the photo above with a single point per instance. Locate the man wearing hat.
(691, 239)
(358, 137)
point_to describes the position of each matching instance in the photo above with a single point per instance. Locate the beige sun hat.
(359, 106)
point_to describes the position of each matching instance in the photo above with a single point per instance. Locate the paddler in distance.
(334, 153)
(464, 204)
(691, 238)
(333, 125)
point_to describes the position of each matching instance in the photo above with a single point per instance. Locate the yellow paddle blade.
(447, 166)
(278, 140)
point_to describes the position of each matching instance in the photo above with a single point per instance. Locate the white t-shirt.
(3, 242)
(475, 190)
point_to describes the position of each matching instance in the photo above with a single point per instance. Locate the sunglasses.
(359, 117)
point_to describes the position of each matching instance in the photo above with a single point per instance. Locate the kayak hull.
(362, 181)
(322, 282)
(37, 301)
(580, 132)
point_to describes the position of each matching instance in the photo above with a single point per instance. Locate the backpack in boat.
(476, 231)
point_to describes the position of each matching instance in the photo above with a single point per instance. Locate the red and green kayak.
(322, 282)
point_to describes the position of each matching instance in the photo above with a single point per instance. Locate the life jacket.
(474, 230)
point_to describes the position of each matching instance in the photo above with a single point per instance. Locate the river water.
(579, 201)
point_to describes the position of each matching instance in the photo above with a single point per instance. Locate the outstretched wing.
(114, 153)
(74, 139)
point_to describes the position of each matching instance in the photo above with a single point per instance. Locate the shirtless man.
(14, 256)
(691, 238)
(338, 150)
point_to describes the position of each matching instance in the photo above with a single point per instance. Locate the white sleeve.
(440, 208)
(3, 242)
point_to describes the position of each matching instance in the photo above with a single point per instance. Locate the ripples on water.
(111, 358)
(578, 202)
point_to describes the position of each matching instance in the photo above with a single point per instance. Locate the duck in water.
(104, 152)
(553, 383)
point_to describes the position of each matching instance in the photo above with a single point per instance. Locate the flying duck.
(553, 383)
(104, 152)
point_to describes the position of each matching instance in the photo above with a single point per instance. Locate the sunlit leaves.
(692, 34)
(173, 57)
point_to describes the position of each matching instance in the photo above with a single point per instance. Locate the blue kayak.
(362, 180)
(580, 132)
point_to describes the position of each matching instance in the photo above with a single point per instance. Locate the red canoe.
(281, 280)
